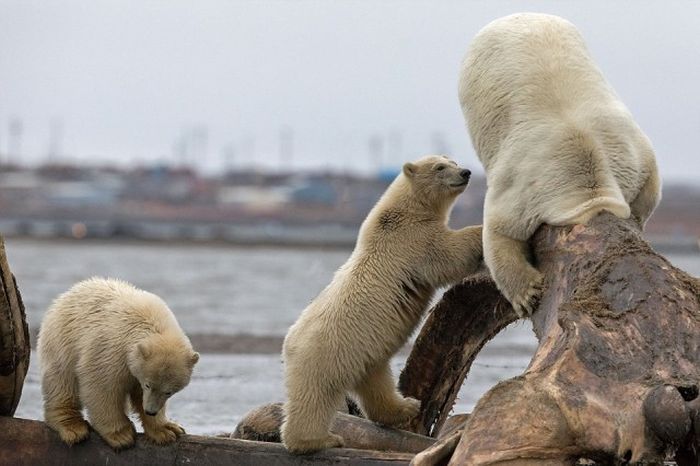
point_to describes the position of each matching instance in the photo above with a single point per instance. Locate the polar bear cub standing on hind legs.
(557, 144)
(344, 339)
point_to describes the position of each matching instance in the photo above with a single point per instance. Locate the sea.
(246, 297)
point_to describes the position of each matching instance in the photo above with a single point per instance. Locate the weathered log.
(619, 333)
(465, 319)
(30, 443)
(263, 424)
(453, 423)
(440, 452)
(14, 339)
(616, 322)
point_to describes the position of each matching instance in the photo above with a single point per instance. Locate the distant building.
(254, 197)
(314, 192)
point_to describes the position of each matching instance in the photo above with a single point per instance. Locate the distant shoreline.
(214, 343)
(662, 244)
(247, 344)
(191, 242)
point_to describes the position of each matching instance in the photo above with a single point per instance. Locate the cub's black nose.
(465, 174)
(151, 413)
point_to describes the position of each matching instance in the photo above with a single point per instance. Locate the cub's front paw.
(162, 434)
(175, 427)
(526, 294)
(303, 446)
(121, 438)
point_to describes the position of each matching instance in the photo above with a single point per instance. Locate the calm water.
(227, 290)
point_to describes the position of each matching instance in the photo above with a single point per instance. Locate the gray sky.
(125, 79)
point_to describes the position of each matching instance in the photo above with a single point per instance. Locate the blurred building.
(249, 206)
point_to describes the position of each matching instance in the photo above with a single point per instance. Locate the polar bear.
(344, 339)
(557, 144)
(103, 343)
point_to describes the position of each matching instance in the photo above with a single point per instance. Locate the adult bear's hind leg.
(515, 277)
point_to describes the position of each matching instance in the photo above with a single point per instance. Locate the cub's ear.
(143, 350)
(194, 358)
(409, 169)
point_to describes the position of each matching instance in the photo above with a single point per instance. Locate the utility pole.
(228, 155)
(14, 144)
(395, 148)
(286, 148)
(200, 139)
(375, 147)
(55, 140)
(180, 149)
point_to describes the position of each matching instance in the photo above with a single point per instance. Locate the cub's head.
(436, 179)
(162, 364)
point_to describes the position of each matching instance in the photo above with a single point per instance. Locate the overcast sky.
(333, 82)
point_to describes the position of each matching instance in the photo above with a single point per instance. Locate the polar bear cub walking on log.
(344, 339)
(105, 344)
(557, 144)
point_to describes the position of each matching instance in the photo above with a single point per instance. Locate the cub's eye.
(439, 168)
(148, 386)
(168, 393)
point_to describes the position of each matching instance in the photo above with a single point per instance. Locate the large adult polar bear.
(557, 144)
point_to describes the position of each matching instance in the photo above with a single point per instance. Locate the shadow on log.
(30, 443)
(14, 339)
(615, 377)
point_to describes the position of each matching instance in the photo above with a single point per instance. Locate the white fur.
(557, 144)
(103, 344)
(344, 339)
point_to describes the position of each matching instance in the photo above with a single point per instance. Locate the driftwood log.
(14, 339)
(457, 328)
(30, 443)
(614, 379)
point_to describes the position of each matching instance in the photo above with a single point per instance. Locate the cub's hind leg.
(309, 410)
(381, 401)
(62, 407)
